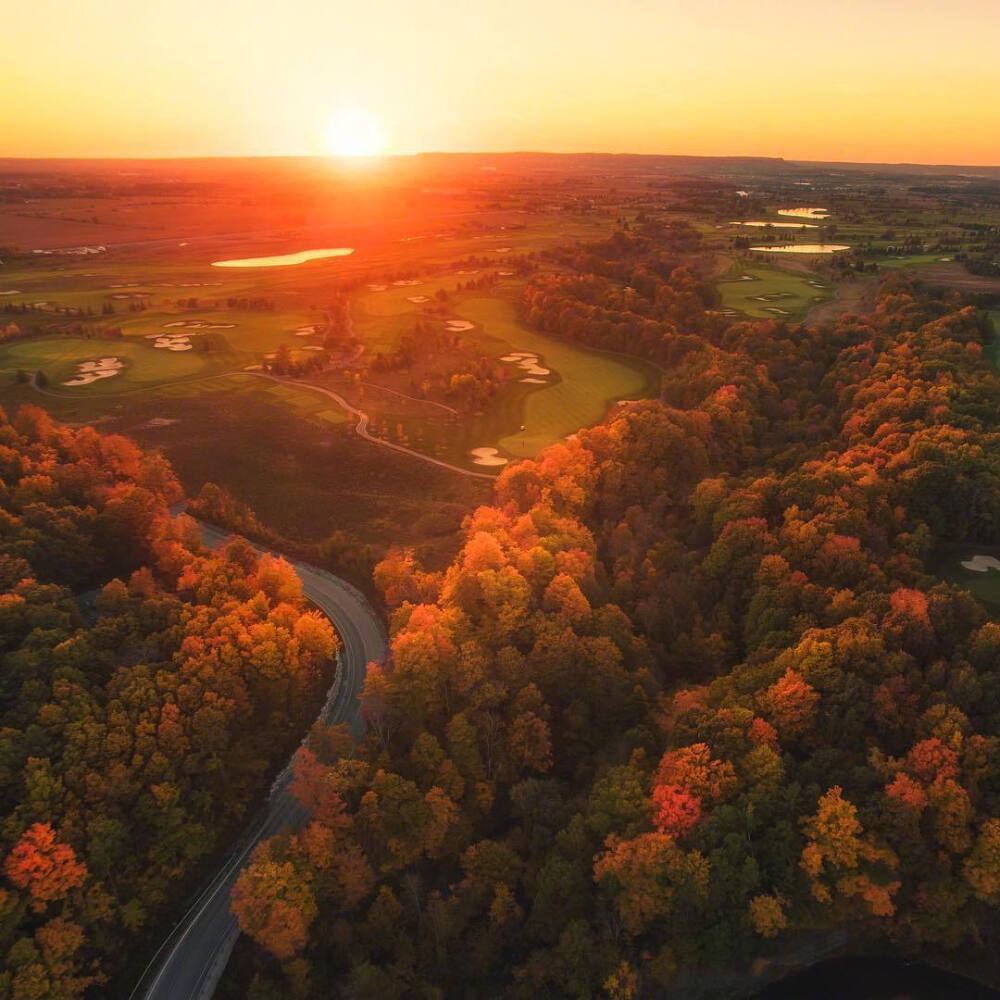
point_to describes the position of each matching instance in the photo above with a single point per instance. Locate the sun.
(355, 133)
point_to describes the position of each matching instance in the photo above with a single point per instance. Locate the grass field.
(772, 293)
(588, 382)
(984, 586)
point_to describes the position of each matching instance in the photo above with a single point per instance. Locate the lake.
(285, 260)
(805, 213)
(804, 248)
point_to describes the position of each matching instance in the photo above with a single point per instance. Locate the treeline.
(689, 688)
(631, 293)
(149, 689)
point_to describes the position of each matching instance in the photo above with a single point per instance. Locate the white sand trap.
(517, 355)
(92, 371)
(312, 347)
(408, 283)
(487, 456)
(468, 271)
(174, 342)
(159, 422)
(747, 277)
(11, 291)
(253, 368)
(981, 564)
(458, 325)
(505, 274)
(775, 309)
(220, 326)
(511, 357)
(817, 284)
(377, 288)
(417, 299)
(305, 331)
(534, 381)
(944, 259)
(180, 322)
(503, 249)
(532, 369)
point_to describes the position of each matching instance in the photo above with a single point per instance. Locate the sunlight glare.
(353, 132)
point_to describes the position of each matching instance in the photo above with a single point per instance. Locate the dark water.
(875, 979)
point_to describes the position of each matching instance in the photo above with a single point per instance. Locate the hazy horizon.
(848, 82)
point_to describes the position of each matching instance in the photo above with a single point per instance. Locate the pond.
(805, 213)
(285, 260)
(804, 248)
(760, 224)
(869, 978)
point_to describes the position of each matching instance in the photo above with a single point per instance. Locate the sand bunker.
(417, 299)
(11, 291)
(159, 422)
(534, 381)
(526, 361)
(468, 271)
(458, 325)
(312, 347)
(174, 342)
(377, 288)
(775, 309)
(505, 274)
(981, 564)
(503, 249)
(409, 282)
(305, 331)
(254, 368)
(92, 371)
(487, 456)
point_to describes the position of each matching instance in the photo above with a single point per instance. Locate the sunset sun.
(353, 132)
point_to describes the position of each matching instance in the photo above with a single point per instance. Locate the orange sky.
(888, 80)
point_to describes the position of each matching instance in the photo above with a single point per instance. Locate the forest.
(689, 692)
(150, 690)
(690, 689)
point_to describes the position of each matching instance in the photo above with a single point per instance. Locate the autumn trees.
(690, 684)
(148, 689)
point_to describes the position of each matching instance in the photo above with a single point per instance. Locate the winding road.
(190, 962)
(360, 428)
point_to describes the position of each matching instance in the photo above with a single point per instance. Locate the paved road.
(190, 963)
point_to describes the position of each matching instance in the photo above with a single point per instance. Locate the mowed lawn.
(771, 293)
(588, 382)
(145, 365)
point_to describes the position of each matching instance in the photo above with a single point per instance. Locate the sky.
(865, 80)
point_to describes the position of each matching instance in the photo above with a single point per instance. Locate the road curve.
(190, 962)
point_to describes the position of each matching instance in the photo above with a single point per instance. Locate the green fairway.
(765, 292)
(589, 382)
(145, 365)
